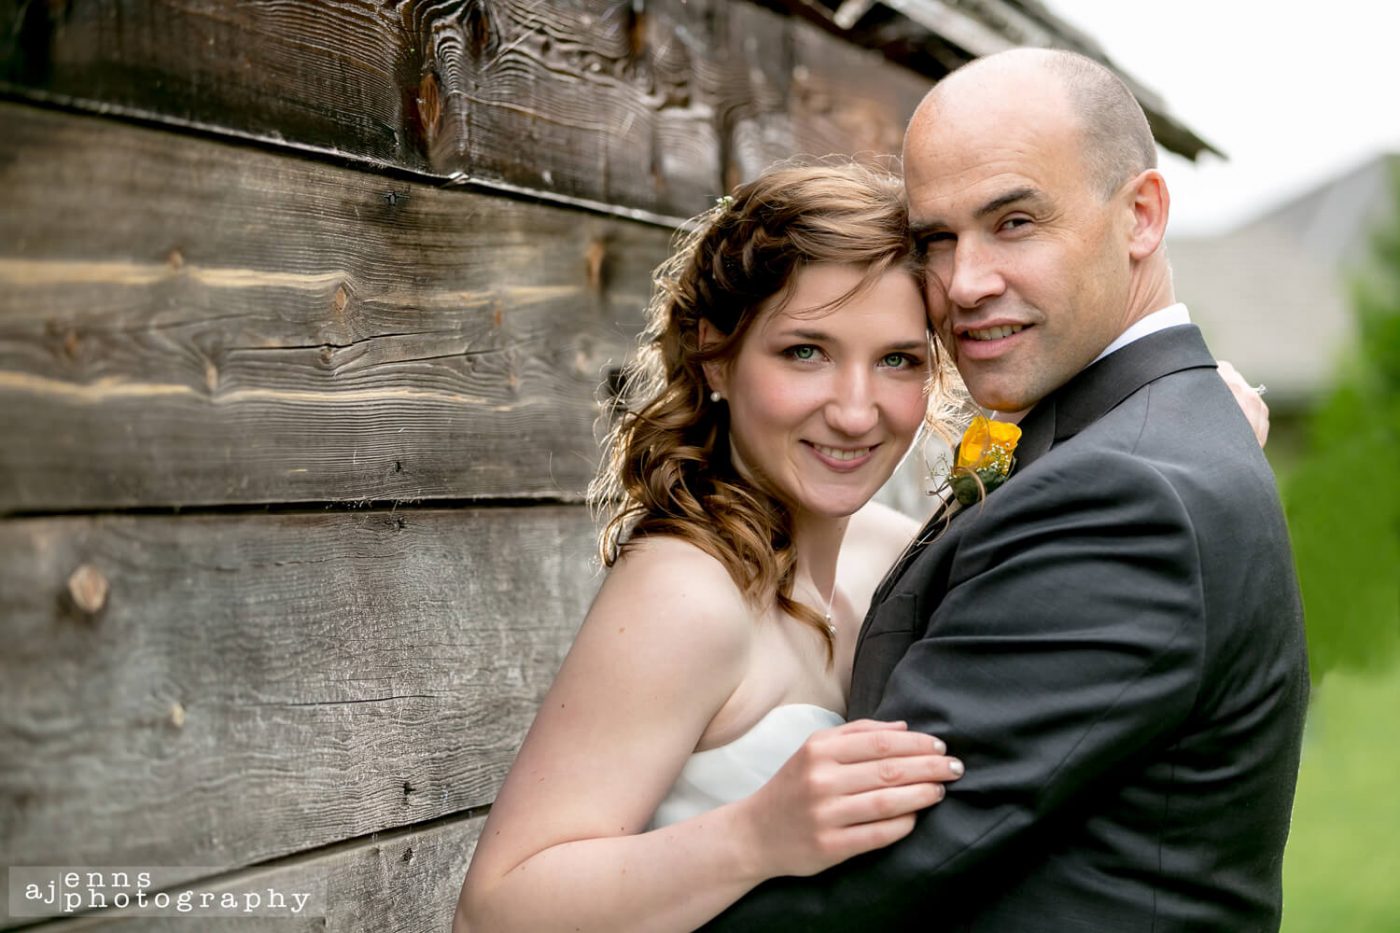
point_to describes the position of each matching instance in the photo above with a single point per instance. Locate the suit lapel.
(1101, 387)
(942, 515)
(1086, 398)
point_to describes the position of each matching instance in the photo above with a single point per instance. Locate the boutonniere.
(985, 458)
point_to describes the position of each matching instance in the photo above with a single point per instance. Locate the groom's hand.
(847, 790)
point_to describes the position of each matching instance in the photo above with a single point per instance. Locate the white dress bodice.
(729, 772)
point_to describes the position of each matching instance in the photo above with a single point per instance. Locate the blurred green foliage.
(1342, 497)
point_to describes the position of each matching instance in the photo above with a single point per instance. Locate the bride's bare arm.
(664, 645)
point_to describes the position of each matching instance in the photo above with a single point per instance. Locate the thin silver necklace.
(830, 626)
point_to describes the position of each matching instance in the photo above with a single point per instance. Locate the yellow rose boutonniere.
(985, 457)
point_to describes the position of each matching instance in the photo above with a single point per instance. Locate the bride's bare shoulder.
(676, 584)
(672, 558)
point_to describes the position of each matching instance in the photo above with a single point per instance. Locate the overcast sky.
(1292, 93)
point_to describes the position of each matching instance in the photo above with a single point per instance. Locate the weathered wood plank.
(184, 322)
(647, 106)
(841, 106)
(223, 690)
(403, 882)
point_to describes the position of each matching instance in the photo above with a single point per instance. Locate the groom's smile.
(986, 342)
(993, 333)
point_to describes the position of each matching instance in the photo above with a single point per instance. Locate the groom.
(1112, 640)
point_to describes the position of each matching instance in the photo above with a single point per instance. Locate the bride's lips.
(840, 458)
(988, 340)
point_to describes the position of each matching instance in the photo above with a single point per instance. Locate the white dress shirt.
(1170, 316)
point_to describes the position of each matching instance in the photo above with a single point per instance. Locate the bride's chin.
(835, 509)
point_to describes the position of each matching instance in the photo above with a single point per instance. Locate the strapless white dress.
(729, 772)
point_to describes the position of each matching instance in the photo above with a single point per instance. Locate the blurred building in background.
(1273, 296)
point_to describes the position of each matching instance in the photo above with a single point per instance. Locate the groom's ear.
(708, 336)
(1150, 203)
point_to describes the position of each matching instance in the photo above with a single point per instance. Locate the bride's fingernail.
(956, 767)
(938, 747)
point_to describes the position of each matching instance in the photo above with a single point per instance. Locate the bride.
(693, 744)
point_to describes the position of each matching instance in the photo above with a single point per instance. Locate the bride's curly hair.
(666, 468)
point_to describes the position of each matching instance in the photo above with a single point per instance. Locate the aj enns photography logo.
(154, 892)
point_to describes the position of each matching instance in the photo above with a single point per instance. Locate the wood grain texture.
(400, 882)
(260, 685)
(184, 322)
(653, 106)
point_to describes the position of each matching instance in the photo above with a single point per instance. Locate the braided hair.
(666, 468)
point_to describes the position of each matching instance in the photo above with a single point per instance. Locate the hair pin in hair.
(725, 202)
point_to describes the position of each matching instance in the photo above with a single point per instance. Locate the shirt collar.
(1170, 316)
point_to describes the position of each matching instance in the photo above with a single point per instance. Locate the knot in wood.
(88, 589)
(429, 107)
(595, 255)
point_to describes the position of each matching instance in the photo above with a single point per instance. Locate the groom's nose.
(976, 275)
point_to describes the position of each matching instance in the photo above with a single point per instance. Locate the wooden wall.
(304, 309)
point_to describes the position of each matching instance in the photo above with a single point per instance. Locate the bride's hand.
(847, 790)
(1249, 398)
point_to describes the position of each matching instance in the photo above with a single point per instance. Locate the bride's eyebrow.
(817, 336)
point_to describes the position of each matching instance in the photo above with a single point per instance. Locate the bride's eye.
(803, 352)
(899, 361)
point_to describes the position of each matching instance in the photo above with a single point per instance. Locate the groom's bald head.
(1117, 140)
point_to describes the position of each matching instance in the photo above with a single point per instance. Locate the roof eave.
(933, 36)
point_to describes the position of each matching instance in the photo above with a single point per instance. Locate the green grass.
(1342, 866)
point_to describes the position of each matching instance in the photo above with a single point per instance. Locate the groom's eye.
(930, 245)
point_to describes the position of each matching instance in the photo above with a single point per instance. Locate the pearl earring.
(715, 396)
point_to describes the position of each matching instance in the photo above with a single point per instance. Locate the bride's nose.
(851, 409)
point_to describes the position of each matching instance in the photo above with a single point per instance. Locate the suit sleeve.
(1069, 644)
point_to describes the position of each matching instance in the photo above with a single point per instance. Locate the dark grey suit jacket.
(1113, 643)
